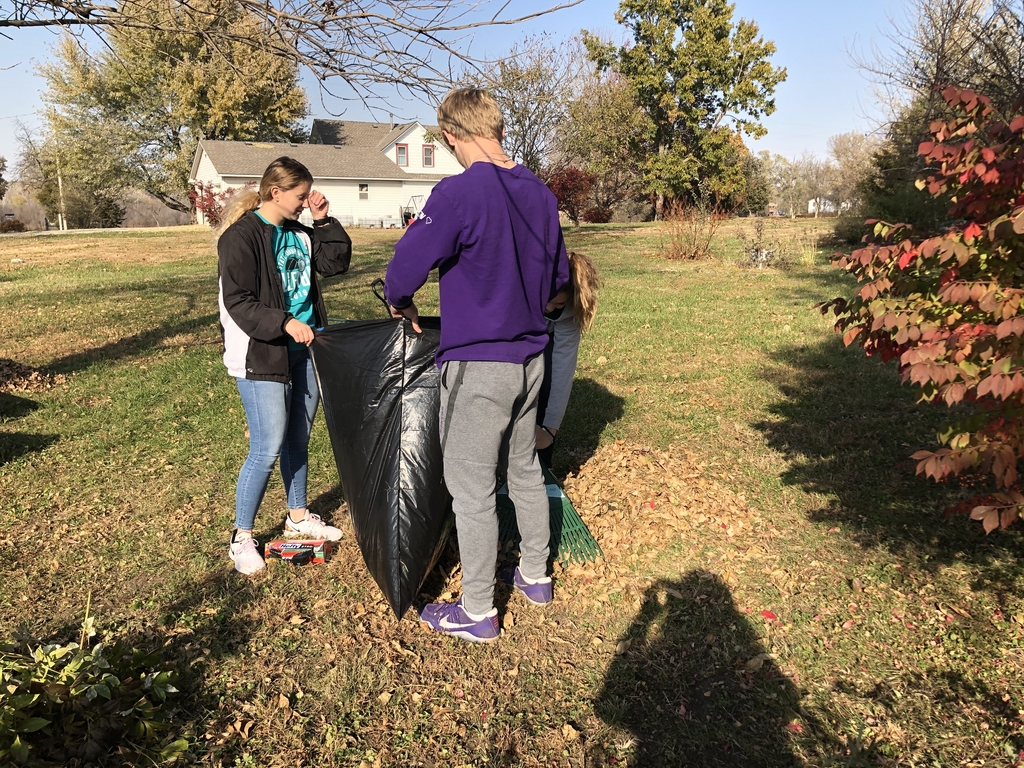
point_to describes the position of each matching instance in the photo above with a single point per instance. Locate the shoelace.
(310, 517)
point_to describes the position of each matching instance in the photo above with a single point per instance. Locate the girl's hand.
(299, 331)
(318, 204)
(559, 301)
(543, 438)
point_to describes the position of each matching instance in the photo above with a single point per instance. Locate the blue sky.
(824, 94)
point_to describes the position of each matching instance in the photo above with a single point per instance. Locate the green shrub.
(71, 702)
(849, 230)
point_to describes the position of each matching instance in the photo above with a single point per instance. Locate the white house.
(370, 172)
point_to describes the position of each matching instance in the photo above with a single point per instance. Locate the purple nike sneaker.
(451, 619)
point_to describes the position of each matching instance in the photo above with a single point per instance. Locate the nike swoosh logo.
(452, 625)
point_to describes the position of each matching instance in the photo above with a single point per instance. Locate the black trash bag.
(380, 388)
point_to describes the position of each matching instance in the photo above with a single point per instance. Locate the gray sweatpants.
(488, 410)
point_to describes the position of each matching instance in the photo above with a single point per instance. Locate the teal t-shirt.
(295, 271)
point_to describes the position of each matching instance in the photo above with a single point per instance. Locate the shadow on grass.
(848, 427)
(130, 346)
(15, 407)
(14, 445)
(591, 409)
(696, 687)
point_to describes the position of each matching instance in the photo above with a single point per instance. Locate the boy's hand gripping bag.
(380, 388)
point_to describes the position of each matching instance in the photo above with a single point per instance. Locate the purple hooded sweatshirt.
(494, 237)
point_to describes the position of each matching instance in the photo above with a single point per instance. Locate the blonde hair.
(469, 112)
(284, 173)
(585, 282)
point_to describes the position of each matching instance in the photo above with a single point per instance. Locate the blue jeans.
(280, 417)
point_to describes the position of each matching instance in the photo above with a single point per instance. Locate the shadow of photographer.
(696, 686)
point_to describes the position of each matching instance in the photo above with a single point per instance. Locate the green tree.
(757, 183)
(79, 187)
(145, 99)
(700, 77)
(605, 135)
(3, 181)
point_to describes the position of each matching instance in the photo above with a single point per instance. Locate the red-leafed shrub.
(209, 202)
(597, 215)
(571, 187)
(947, 304)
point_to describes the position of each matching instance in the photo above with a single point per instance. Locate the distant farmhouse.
(372, 173)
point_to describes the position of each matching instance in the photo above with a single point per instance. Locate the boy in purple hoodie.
(492, 232)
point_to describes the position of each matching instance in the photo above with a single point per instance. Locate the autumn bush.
(689, 230)
(597, 215)
(11, 225)
(571, 186)
(947, 304)
(210, 202)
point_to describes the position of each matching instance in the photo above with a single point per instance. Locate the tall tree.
(853, 154)
(605, 135)
(787, 185)
(78, 186)
(699, 76)
(148, 97)
(3, 181)
(817, 181)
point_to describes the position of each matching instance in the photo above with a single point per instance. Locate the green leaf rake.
(570, 537)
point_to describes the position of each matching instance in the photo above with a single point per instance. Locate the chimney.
(391, 115)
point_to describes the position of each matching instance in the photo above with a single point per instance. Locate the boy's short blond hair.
(469, 112)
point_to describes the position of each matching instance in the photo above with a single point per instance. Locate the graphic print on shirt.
(293, 266)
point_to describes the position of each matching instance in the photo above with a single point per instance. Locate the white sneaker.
(311, 527)
(246, 554)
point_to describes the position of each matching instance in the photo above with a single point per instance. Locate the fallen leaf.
(296, 619)
(569, 733)
(622, 646)
(795, 727)
(757, 662)
(384, 698)
(769, 615)
(282, 701)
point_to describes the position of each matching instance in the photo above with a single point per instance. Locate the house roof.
(355, 133)
(325, 161)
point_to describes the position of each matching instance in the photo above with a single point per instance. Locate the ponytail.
(585, 282)
(284, 173)
(243, 201)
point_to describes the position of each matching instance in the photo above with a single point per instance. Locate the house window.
(428, 155)
(402, 152)
(364, 191)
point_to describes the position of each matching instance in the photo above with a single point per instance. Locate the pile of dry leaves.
(635, 499)
(17, 377)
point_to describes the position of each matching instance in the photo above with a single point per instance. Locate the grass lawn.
(779, 588)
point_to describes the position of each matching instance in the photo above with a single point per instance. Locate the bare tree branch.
(413, 45)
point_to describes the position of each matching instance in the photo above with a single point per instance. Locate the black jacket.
(252, 303)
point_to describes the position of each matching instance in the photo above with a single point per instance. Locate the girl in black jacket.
(270, 303)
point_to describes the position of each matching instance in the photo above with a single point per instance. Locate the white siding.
(415, 138)
(385, 199)
(206, 172)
